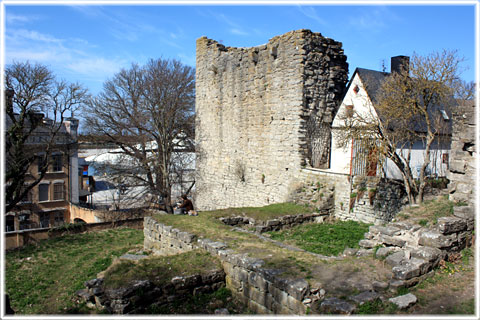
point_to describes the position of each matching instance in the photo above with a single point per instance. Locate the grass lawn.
(292, 264)
(328, 239)
(160, 269)
(427, 213)
(42, 279)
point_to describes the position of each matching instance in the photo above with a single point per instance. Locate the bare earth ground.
(447, 293)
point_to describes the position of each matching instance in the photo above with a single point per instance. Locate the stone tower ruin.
(262, 114)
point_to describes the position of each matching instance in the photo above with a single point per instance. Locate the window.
(41, 162)
(43, 192)
(57, 162)
(58, 191)
(24, 221)
(349, 111)
(58, 218)
(44, 220)
(28, 197)
(10, 223)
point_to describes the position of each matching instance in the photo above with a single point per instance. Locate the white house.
(360, 99)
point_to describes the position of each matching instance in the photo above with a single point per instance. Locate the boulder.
(433, 238)
(447, 225)
(336, 306)
(395, 259)
(365, 296)
(405, 301)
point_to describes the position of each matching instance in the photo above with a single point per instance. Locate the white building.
(359, 101)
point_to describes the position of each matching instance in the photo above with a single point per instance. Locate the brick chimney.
(399, 64)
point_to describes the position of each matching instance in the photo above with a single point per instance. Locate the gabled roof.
(372, 81)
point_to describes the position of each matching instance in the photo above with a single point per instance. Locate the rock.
(379, 285)
(427, 253)
(396, 284)
(85, 295)
(388, 230)
(336, 306)
(364, 252)
(384, 251)
(393, 241)
(433, 238)
(395, 259)
(404, 301)
(297, 288)
(222, 311)
(307, 301)
(363, 297)
(364, 243)
(447, 225)
(349, 252)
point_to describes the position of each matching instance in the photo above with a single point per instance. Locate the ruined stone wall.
(463, 155)
(261, 114)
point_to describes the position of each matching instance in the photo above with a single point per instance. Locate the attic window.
(356, 89)
(349, 111)
(444, 115)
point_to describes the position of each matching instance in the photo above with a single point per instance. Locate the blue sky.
(89, 44)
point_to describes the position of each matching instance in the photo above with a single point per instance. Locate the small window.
(58, 218)
(28, 197)
(43, 192)
(24, 221)
(349, 111)
(57, 162)
(44, 220)
(58, 191)
(41, 162)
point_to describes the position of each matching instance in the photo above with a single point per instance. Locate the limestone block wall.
(261, 114)
(365, 199)
(413, 250)
(263, 291)
(463, 155)
(165, 240)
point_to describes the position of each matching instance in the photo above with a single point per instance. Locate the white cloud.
(238, 32)
(71, 57)
(311, 13)
(235, 28)
(373, 19)
(11, 18)
(96, 65)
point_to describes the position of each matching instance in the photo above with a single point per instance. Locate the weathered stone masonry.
(261, 114)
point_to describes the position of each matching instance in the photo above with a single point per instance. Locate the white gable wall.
(362, 105)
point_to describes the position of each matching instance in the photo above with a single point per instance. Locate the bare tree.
(147, 111)
(413, 105)
(36, 106)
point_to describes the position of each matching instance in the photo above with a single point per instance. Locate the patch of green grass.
(428, 212)
(376, 307)
(160, 269)
(326, 239)
(41, 279)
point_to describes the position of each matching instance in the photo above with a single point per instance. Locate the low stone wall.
(374, 200)
(141, 295)
(364, 199)
(166, 240)
(413, 250)
(280, 223)
(262, 290)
